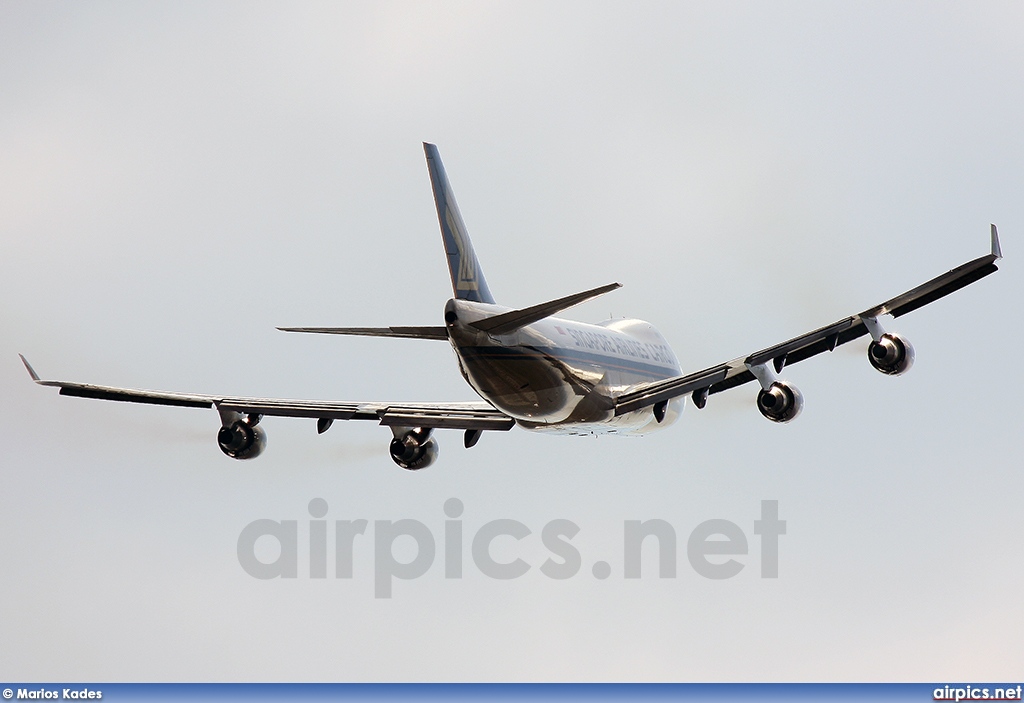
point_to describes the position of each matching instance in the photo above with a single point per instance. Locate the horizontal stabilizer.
(404, 332)
(510, 321)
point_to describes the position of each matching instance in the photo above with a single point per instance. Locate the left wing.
(755, 366)
(464, 416)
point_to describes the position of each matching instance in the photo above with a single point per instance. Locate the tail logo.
(466, 277)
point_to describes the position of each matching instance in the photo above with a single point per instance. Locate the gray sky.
(176, 179)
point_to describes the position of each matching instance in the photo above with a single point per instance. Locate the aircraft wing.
(738, 371)
(477, 415)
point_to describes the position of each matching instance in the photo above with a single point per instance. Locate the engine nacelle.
(892, 354)
(242, 440)
(781, 402)
(414, 450)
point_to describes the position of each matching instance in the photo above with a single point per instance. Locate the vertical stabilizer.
(468, 281)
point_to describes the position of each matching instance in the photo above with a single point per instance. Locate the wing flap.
(478, 420)
(829, 332)
(126, 395)
(465, 416)
(658, 391)
(294, 408)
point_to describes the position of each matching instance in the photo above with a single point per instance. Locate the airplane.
(548, 374)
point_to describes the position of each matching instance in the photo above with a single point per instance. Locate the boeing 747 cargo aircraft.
(549, 374)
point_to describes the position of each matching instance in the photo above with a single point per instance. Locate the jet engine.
(414, 449)
(780, 402)
(891, 354)
(242, 439)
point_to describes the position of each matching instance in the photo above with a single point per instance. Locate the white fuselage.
(559, 375)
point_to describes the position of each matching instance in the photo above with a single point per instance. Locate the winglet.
(28, 367)
(996, 251)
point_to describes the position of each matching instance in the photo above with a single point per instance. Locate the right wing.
(477, 415)
(738, 371)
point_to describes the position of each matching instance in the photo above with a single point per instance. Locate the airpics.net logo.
(715, 549)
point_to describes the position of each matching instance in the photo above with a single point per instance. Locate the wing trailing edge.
(471, 415)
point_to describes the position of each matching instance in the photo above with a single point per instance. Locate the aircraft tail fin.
(468, 281)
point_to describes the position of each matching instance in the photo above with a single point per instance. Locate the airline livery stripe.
(569, 356)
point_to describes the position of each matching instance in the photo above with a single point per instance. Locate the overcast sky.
(176, 179)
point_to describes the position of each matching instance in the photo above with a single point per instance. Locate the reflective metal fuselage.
(560, 375)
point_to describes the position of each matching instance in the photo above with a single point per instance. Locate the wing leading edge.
(738, 371)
